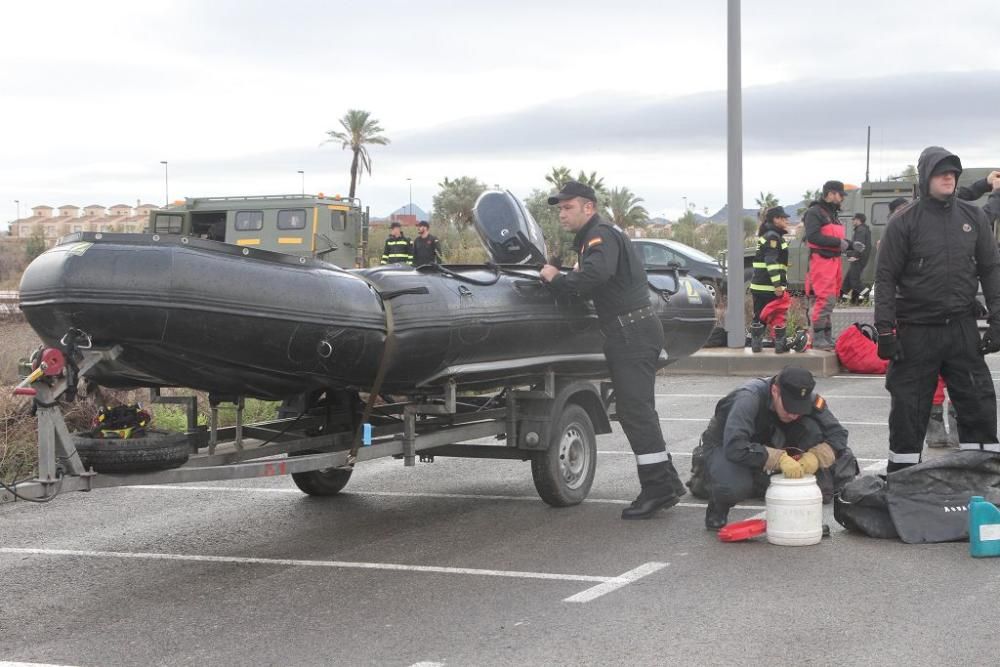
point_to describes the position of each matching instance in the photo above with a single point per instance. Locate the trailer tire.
(324, 482)
(564, 472)
(157, 450)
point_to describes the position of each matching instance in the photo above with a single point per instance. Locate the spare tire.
(157, 450)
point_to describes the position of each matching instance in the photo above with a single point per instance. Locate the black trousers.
(632, 352)
(731, 483)
(951, 350)
(852, 285)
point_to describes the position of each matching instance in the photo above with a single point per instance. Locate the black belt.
(632, 317)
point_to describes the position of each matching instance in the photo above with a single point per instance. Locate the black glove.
(858, 246)
(991, 341)
(888, 347)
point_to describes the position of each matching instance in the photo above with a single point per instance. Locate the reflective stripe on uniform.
(896, 457)
(980, 447)
(762, 288)
(649, 459)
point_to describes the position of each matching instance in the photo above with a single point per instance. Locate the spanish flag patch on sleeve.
(819, 403)
(592, 242)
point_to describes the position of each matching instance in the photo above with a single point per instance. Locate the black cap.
(395, 223)
(796, 385)
(424, 223)
(573, 189)
(896, 203)
(775, 212)
(950, 163)
(862, 217)
(833, 186)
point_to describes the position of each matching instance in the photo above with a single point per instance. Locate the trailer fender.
(536, 415)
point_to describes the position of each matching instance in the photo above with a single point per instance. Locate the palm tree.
(764, 202)
(623, 209)
(361, 129)
(558, 177)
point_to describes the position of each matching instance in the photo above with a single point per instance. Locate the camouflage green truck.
(872, 199)
(334, 229)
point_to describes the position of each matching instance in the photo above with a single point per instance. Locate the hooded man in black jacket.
(934, 254)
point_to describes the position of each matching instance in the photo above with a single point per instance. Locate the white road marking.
(718, 396)
(396, 494)
(705, 420)
(597, 591)
(427, 664)
(605, 584)
(29, 664)
(672, 453)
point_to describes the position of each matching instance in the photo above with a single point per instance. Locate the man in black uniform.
(934, 253)
(769, 281)
(610, 272)
(426, 248)
(398, 249)
(857, 260)
(756, 430)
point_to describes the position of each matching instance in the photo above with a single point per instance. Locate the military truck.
(872, 199)
(334, 229)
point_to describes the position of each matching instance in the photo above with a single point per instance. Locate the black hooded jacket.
(933, 256)
(816, 216)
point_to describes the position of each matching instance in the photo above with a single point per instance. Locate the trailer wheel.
(157, 450)
(323, 482)
(564, 472)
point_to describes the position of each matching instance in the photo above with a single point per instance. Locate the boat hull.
(230, 320)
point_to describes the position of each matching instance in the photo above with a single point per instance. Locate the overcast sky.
(237, 95)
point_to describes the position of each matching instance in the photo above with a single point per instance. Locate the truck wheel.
(564, 472)
(157, 450)
(712, 289)
(323, 482)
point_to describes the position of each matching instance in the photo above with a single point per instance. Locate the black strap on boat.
(390, 344)
(400, 292)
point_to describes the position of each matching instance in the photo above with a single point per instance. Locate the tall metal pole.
(17, 202)
(166, 184)
(303, 174)
(409, 182)
(735, 321)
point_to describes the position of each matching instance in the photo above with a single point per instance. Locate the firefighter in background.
(769, 283)
(827, 241)
(398, 249)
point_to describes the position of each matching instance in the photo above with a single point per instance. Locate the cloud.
(950, 108)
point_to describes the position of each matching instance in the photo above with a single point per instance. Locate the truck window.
(338, 220)
(292, 219)
(880, 213)
(249, 221)
(168, 224)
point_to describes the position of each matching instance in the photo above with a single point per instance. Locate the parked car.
(662, 253)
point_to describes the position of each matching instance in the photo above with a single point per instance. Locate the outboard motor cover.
(507, 230)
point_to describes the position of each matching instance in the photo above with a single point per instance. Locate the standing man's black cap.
(775, 212)
(395, 224)
(573, 189)
(833, 186)
(896, 203)
(424, 223)
(796, 385)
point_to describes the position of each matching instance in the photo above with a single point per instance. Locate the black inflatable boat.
(230, 320)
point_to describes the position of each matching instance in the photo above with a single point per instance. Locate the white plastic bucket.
(794, 511)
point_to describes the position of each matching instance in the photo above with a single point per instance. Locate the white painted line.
(427, 664)
(879, 464)
(614, 584)
(623, 452)
(705, 420)
(29, 664)
(396, 494)
(718, 397)
(292, 562)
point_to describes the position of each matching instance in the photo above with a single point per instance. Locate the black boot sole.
(653, 508)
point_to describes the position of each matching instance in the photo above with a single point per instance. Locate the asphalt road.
(457, 562)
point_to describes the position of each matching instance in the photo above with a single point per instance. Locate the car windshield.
(693, 253)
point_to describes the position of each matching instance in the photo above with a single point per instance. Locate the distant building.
(95, 218)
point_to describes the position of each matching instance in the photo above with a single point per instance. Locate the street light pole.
(303, 174)
(409, 182)
(17, 202)
(685, 205)
(734, 140)
(166, 184)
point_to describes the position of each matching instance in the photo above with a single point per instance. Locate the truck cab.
(333, 229)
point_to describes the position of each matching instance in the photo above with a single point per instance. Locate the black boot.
(757, 337)
(716, 516)
(799, 341)
(780, 342)
(662, 488)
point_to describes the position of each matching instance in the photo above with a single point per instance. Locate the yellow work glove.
(773, 456)
(819, 456)
(790, 468)
(809, 463)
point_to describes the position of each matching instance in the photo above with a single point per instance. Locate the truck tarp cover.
(924, 503)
